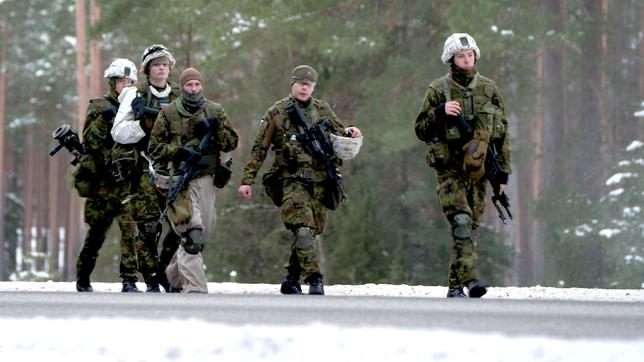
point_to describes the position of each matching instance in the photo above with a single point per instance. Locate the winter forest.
(571, 74)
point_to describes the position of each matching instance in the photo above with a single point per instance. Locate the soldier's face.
(465, 59)
(302, 90)
(159, 69)
(192, 86)
(121, 83)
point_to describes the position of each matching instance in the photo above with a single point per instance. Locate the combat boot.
(152, 284)
(291, 285)
(163, 281)
(129, 286)
(476, 289)
(316, 286)
(83, 286)
(455, 293)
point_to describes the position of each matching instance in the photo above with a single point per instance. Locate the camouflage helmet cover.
(153, 52)
(121, 68)
(456, 43)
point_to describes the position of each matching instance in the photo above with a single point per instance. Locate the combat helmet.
(121, 68)
(153, 52)
(457, 42)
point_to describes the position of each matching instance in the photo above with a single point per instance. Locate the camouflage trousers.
(99, 214)
(459, 194)
(144, 207)
(302, 208)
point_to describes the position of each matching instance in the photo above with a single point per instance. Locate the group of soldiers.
(154, 152)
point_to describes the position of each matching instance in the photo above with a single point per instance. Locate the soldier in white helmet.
(96, 180)
(462, 115)
(144, 101)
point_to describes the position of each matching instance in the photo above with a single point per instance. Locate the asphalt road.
(567, 319)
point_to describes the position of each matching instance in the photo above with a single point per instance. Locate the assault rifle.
(67, 137)
(493, 174)
(316, 143)
(188, 171)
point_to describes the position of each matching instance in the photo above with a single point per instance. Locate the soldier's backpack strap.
(446, 92)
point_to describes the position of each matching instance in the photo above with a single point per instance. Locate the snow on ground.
(101, 339)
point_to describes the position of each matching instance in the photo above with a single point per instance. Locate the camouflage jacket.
(147, 121)
(277, 130)
(486, 107)
(175, 128)
(97, 139)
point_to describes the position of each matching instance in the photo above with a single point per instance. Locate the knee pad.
(461, 228)
(194, 243)
(304, 238)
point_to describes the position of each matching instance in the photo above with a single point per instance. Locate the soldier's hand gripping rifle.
(188, 169)
(493, 174)
(316, 144)
(67, 137)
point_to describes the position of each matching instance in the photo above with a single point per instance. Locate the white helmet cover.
(346, 148)
(121, 68)
(156, 51)
(457, 42)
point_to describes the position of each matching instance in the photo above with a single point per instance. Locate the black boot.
(83, 285)
(129, 286)
(316, 286)
(455, 293)
(163, 281)
(291, 285)
(476, 289)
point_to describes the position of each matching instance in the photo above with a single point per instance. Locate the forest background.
(571, 73)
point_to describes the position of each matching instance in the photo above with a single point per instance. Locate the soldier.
(178, 139)
(97, 180)
(298, 181)
(144, 101)
(462, 114)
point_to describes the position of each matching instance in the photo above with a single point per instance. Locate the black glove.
(193, 247)
(140, 110)
(205, 125)
(109, 113)
(503, 178)
(188, 154)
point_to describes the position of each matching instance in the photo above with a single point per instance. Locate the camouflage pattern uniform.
(302, 178)
(458, 194)
(102, 208)
(175, 129)
(144, 201)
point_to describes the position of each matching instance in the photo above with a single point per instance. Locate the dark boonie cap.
(304, 72)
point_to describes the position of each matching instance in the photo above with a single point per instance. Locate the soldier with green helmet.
(190, 135)
(97, 181)
(144, 101)
(298, 181)
(462, 114)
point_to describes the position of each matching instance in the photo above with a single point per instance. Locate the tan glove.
(475, 151)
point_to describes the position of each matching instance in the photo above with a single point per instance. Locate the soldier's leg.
(452, 195)
(98, 219)
(170, 241)
(190, 263)
(298, 216)
(145, 211)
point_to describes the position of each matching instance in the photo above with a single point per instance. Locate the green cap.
(304, 72)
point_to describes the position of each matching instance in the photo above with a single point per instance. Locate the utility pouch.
(273, 186)
(85, 177)
(438, 155)
(474, 154)
(223, 172)
(332, 195)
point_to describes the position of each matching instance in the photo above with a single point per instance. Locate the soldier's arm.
(226, 135)
(425, 125)
(160, 147)
(96, 132)
(503, 145)
(259, 150)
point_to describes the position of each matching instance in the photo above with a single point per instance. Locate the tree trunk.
(3, 94)
(96, 79)
(75, 220)
(641, 84)
(27, 196)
